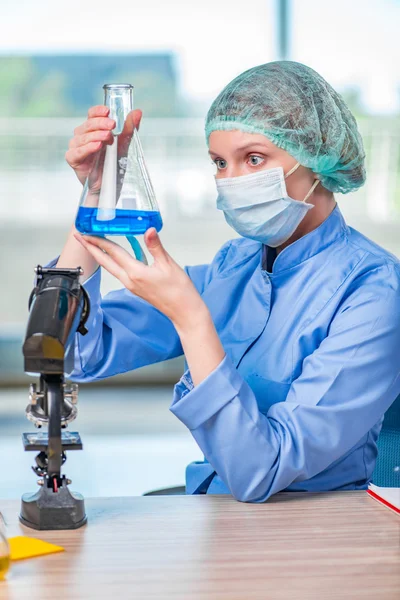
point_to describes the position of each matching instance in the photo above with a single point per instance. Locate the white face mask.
(258, 207)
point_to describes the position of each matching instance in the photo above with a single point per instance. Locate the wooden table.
(300, 546)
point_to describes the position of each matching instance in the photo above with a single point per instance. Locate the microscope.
(58, 308)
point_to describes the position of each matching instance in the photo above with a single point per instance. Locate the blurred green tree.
(62, 86)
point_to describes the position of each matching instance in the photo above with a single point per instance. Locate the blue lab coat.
(311, 366)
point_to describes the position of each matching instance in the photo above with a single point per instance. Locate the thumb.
(137, 117)
(132, 121)
(154, 245)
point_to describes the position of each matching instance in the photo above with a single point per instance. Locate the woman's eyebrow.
(245, 147)
(251, 145)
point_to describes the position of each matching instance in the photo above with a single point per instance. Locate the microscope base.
(46, 509)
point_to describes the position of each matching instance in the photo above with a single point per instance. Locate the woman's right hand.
(88, 139)
(91, 135)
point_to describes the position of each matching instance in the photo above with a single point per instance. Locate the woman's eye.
(221, 164)
(256, 160)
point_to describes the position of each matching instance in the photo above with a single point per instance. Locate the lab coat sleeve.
(345, 387)
(126, 332)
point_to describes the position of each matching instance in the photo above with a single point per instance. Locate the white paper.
(391, 495)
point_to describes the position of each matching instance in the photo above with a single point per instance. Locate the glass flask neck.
(119, 98)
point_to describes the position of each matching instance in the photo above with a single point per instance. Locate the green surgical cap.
(297, 110)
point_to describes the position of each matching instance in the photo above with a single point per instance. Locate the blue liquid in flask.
(125, 222)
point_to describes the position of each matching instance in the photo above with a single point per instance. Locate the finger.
(101, 135)
(105, 260)
(98, 111)
(118, 254)
(132, 122)
(94, 124)
(154, 245)
(77, 156)
(135, 116)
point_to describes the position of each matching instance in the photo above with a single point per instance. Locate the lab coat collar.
(312, 243)
(246, 280)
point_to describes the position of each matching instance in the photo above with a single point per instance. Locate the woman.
(291, 335)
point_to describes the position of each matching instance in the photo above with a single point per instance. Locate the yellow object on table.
(27, 547)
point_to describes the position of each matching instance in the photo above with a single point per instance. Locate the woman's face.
(237, 153)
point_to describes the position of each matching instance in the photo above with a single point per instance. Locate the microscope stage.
(70, 440)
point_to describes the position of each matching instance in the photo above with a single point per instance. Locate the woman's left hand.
(164, 284)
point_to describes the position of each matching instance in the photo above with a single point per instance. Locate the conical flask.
(118, 197)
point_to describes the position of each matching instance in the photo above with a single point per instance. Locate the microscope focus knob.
(34, 395)
(71, 392)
